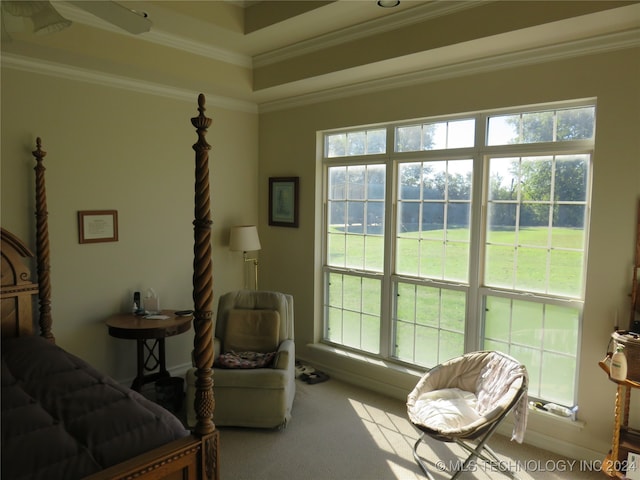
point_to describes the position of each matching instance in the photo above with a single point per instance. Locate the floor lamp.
(244, 238)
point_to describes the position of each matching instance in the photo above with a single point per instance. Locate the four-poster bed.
(63, 419)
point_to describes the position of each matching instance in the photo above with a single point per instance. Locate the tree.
(555, 179)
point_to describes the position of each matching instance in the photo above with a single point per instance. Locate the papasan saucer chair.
(464, 400)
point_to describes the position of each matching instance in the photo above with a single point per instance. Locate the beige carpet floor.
(342, 432)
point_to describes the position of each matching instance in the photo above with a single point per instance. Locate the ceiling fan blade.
(130, 20)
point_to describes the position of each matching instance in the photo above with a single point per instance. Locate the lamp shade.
(244, 238)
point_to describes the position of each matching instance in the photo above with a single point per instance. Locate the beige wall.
(110, 148)
(288, 147)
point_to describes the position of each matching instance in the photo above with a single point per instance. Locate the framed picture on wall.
(96, 226)
(283, 201)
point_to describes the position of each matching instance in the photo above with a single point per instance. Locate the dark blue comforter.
(62, 419)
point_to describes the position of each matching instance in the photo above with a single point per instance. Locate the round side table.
(149, 335)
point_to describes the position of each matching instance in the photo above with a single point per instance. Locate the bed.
(63, 419)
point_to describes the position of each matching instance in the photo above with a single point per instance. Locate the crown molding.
(430, 10)
(590, 46)
(42, 67)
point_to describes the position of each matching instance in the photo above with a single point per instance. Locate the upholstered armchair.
(254, 367)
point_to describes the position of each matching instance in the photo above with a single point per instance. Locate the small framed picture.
(283, 201)
(96, 226)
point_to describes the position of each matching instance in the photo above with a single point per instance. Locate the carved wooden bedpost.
(42, 245)
(203, 280)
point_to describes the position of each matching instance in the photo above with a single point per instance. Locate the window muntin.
(530, 206)
(542, 126)
(435, 136)
(362, 142)
(535, 232)
(433, 220)
(542, 335)
(353, 311)
(356, 211)
(428, 324)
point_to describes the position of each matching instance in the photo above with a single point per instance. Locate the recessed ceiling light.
(388, 3)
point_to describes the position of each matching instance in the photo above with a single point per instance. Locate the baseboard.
(175, 371)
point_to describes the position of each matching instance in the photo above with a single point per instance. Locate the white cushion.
(446, 410)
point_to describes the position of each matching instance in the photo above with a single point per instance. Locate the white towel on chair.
(498, 377)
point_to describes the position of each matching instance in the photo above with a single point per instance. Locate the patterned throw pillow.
(245, 360)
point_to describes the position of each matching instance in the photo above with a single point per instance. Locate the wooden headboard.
(17, 290)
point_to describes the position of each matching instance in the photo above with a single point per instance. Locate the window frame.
(475, 290)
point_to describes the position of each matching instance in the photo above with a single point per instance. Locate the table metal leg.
(148, 361)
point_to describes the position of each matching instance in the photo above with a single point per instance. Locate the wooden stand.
(625, 439)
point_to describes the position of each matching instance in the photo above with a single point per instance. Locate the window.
(464, 233)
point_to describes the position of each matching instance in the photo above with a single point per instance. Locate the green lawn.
(541, 263)
(430, 320)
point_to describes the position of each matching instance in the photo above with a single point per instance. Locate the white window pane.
(535, 178)
(433, 220)
(355, 182)
(451, 345)
(376, 141)
(568, 227)
(409, 175)
(437, 136)
(540, 336)
(571, 173)
(460, 179)
(354, 255)
(434, 180)
(334, 325)
(558, 372)
(454, 304)
(408, 218)
(356, 143)
(504, 178)
(456, 261)
(337, 183)
(461, 133)
(527, 323)
(351, 328)
(561, 329)
(431, 259)
(566, 273)
(503, 130)
(408, 139)
(497, 322)
(458, 220)
(432, 326)
(537, 127)
(427, 340)
(576, 123)
(336, 249)
(337, 216)
(408, 256)
(531, 269)
(499, 268)
(501, 225)
(374, 253)
(336, 145)
(376, 177)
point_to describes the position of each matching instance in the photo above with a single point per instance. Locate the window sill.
(374, 374)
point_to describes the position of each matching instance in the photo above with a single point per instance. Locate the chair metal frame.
(481, 450)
